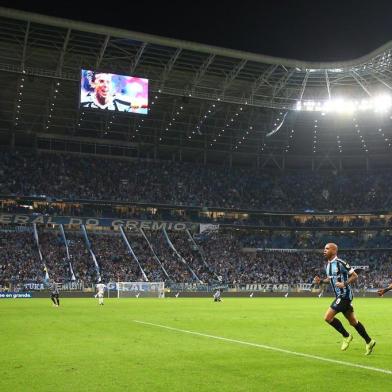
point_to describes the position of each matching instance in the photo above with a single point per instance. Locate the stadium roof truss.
(204, 100)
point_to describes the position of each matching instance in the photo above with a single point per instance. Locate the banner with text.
(11, 294)
(209, 227)
(67, 220)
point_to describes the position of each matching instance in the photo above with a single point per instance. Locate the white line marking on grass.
(271, 348)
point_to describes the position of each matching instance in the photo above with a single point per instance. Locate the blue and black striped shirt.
(339, 270)
(53, 287)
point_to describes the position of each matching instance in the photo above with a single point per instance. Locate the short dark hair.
(94, 75)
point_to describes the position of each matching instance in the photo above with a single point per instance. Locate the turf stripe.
(271, 348)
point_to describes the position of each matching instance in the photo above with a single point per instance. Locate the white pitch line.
(271, 348)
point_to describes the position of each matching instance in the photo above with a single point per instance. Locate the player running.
(54, 293)
(340, 275)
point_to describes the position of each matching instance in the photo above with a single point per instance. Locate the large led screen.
(107, 91)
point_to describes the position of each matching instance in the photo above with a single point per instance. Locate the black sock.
(339, 327)
(58, 302)
(53, 300)
(362, 331)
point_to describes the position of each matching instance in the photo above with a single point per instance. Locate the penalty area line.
(270, 348)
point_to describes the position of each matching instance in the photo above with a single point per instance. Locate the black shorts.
(55, 295)
(342, 305)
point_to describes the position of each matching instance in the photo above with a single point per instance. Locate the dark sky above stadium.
(304, 30)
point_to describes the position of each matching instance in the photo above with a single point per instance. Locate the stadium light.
(379, 104)
(382, 103)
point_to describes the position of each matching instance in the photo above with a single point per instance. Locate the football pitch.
(183, 344)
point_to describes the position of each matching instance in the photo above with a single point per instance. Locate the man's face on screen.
(102, 86)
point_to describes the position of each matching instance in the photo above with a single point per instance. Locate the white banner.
(208, 227)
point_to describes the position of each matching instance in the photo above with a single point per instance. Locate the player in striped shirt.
(217, 295)
(54, 293)
(340, 275)
(100, 287)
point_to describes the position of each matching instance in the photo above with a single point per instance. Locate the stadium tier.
(211, 259)
(69, 177)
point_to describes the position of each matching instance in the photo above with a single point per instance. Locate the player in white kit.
(100, 292)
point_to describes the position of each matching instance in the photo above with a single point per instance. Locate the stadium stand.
(232, 139)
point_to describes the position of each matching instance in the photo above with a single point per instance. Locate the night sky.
(303, 30)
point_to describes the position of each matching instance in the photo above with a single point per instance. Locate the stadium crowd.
(317, 239)
(73, 177)
(177, 257)
(212, 258)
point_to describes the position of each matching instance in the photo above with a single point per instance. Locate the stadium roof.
(208, 102)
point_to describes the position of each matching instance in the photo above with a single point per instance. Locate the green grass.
(84, 347)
